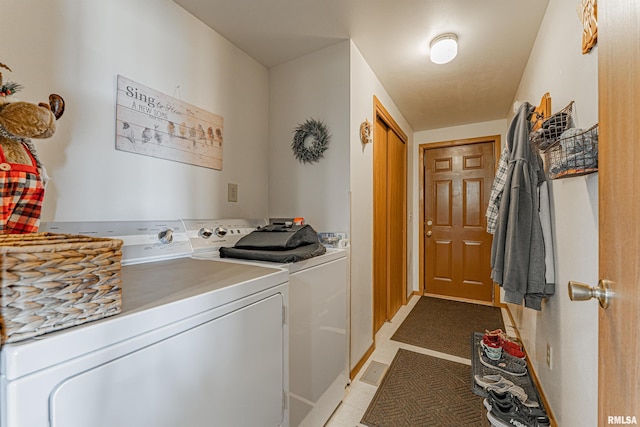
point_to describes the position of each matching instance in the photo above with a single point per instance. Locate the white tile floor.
(359, 394)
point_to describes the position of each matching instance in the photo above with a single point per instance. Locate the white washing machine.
(318, 318)
(181, 353)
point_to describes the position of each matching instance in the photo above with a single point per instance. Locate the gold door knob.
(581, 292)
(429, 233)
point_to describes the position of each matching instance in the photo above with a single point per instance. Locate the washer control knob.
(205, 232)
(220, 232)
(166, 236)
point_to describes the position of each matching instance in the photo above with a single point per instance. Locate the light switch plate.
(233, 192)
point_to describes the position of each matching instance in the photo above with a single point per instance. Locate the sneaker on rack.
(512, 414)
(500, 384)
(501, 364)
(497, 338)
(507, 399)
(501, 352)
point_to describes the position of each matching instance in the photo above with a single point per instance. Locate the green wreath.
(310, 141)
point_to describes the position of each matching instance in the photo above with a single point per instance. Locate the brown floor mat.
(421, 390)
(445, 326)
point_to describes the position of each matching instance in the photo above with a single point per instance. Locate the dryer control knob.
(205, 232)
(220, 232)
(166, 236)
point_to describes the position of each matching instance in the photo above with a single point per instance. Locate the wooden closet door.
(389, 218)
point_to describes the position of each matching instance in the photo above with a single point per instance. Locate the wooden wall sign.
(589, 14)
(151, 123)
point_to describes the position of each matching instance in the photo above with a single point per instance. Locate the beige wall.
(313, 86)
(337, 86)
(77, 49)
(364, 85)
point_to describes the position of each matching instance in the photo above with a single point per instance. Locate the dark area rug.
(445, 326)
(421, 390)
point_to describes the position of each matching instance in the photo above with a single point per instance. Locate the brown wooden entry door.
(457, 248)
(389, 218)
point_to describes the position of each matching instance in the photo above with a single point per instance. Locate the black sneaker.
(502, 364)
(510, 414)
(506, 399)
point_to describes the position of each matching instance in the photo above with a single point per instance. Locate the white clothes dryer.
(181, 353)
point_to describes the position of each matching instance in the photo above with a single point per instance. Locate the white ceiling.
(495, 38)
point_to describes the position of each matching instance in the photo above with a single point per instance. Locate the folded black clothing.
(279, 237)
(558, 120)
(284, 255)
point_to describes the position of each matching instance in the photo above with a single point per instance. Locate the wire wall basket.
(552, 128)
(574, 153)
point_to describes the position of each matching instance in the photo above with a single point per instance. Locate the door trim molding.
(380, 111)
(497, 148)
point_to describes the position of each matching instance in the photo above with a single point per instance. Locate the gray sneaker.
(502, 364)
(500, 384)
(503, 353)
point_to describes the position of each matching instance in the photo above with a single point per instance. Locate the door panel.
(619, 204)
(443, 267)
(396, 224)
(457, 251)
(380, 225)
(472, 273)
(443, 203)
(472, 203)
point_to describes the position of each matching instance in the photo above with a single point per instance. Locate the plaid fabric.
(22, 194)
(496, 191)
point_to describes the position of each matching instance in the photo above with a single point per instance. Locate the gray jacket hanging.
(518, 252)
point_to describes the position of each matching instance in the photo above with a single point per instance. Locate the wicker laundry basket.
(54, 281)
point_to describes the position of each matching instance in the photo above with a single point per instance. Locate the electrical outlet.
(233, 192)
(549, 355)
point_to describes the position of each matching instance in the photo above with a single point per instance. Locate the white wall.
(557, 66)
(472, 130)
(364, 85)
(77, 48)
(313, 86)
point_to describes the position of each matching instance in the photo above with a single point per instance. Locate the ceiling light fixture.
(444, 48)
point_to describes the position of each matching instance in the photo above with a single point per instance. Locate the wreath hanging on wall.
(310, 141)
